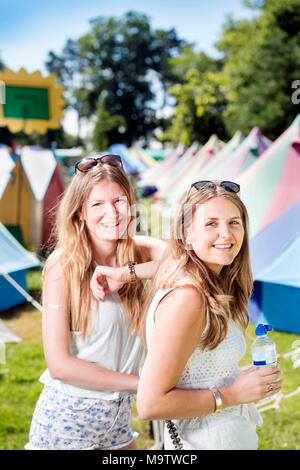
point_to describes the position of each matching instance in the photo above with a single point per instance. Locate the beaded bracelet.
(132, 272)
(174, 434)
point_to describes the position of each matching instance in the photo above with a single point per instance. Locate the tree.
(199, 99)
(69, 68)
(261, 61)
(120, 56)
(251, 85)
(105, 123)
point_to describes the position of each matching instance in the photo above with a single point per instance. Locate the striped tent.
(133, 165)
(272, 184)
(252, 147)
(275, 254)
(192, 169)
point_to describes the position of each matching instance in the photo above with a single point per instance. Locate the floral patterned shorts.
(62, 422)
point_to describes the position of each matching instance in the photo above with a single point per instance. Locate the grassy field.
(19, 386)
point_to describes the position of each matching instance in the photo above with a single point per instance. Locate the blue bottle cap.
(268, 327)
(260, 330)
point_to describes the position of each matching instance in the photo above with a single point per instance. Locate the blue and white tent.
(275, 258)
(132, 164)
(14, 260)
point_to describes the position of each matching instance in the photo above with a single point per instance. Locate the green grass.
(20, 389)
(281, 429)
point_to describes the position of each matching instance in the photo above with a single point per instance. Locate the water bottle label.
(264, 357)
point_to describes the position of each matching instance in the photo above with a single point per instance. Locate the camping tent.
(271, 184)
(213, 150)
(14, 260)
(32, 190)
(166, 182)
(236, 162)
(132, 164)
(275, 254)
(7, 165)
(140, 153)
(207, 171)
(150, 176)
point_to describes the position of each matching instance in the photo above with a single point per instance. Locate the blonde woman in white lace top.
(194, 327)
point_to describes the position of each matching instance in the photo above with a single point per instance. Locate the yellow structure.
(30, 102)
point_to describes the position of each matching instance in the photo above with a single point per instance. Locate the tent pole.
(22, 291)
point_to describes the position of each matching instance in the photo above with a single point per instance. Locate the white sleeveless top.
(110, 345)
(231, 428)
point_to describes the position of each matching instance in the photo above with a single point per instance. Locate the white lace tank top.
(110, 345)
(208, 369)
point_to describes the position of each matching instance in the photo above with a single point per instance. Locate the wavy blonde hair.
(74, 248)
(225, 296)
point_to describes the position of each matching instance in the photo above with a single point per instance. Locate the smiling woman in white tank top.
(92, 348)
(194, 314)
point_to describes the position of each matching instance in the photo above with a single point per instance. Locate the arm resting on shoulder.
(152, 250)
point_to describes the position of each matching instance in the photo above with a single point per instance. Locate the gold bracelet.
(218, 399)
(132, 273)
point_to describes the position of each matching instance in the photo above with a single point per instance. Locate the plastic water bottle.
(264, 350)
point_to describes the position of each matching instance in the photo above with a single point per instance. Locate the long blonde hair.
(225, 296)
(75, 251)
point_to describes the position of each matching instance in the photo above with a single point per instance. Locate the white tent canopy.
(39, 166)
(7, 164)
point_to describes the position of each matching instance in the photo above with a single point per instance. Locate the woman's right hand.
(253, 384)
(106, 280)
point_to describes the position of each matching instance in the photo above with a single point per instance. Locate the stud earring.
(188, 243)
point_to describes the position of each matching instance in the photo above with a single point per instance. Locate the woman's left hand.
(106, 280)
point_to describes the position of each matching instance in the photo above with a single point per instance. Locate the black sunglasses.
(87, 163)
(227, 185)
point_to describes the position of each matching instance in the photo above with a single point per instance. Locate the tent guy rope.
(22, 291)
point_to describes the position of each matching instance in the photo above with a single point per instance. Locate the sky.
(29, 29)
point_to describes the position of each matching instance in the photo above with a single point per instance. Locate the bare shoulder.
(180, 321)
(187, 295)
(55, 285)
(184, 304)
(54, 266)
(150, 248)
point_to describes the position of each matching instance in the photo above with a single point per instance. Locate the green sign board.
(26, 103)
(30, 102)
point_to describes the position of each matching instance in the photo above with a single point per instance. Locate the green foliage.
(105, 123)
(261, 60)
(119, 57)
(20, 390)
(280, 429)
(250, 86)
(69, 68)
(199, 99)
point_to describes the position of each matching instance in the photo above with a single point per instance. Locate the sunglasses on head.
(87, 163)
(229, 186)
